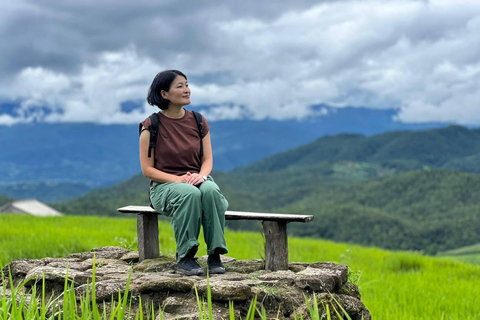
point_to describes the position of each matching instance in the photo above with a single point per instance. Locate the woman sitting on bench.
(180, 186)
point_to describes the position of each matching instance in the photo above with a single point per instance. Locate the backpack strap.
(154, 124)
(154, 128)
(199, 120)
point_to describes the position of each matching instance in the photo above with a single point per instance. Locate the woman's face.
(179, 93)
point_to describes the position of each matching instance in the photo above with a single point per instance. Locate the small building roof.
(29, 206)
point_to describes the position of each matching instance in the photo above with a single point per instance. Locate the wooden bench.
(274, 228)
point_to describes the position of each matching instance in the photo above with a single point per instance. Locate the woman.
(181, 186)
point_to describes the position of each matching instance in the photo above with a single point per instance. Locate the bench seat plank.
(137, 209)
(237, 215)
(233, 215)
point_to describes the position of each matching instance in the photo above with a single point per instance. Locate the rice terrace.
(394, 285)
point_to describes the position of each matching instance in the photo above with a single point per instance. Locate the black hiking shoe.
(190, 267)
(215, 265)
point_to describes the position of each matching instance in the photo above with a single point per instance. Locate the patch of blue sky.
(10, 108)
(131, 105)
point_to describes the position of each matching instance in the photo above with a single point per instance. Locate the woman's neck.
(175, 113)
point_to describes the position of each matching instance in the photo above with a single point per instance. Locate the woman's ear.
(163, 93)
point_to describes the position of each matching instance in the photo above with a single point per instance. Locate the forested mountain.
(453, 147)
(373, 191)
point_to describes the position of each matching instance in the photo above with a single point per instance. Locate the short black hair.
(162, 81)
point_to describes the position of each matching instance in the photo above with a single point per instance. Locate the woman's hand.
(193, 179)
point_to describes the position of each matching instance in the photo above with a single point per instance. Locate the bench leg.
(147, 232)
(276, 245)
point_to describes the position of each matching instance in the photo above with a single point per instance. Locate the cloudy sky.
(93, 60)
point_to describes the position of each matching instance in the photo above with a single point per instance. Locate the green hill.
(453, 147)
(426, 210)
(105, 201)
(360, 189)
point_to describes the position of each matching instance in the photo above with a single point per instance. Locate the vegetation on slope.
(430, 210)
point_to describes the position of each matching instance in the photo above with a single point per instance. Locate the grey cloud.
(63, 34)
(261, 57)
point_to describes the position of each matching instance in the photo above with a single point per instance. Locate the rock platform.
(157, 282)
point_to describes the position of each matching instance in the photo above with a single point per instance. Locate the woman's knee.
(210, 188)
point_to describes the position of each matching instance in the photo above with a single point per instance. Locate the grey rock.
(104, 290)
(163, 263)
(190, 316)
(81, 256)
(56, 275)
(180, 305)
(351, 304)
(130, 257)
(230, 276)
(339, 271)
(285, 277)
(223, 290)
(79, 266)
(110, 252)
(47, 261)
(364, 315)
(297, 266)
(21, 266)
(344, 303)
(112, 268)
(245, 266)
(317, 280)
(285, 299)
(160, 283)
(351, 290)
(100, 262)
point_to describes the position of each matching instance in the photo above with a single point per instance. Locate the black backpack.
(154, 127)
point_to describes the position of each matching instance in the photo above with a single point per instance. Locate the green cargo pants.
(191, 207)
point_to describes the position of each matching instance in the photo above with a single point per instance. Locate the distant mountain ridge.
(67, 160)
(396, 190)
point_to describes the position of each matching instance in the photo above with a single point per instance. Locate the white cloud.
(94, 95)
(8, 120)
(256, 61)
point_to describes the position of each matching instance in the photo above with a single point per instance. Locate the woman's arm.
(147, 163)
(207, 160)
(207, 163)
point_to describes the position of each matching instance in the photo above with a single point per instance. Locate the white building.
(29, 206)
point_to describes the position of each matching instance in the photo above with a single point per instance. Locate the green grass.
(394, 285)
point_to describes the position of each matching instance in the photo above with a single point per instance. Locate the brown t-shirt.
(178, 144)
